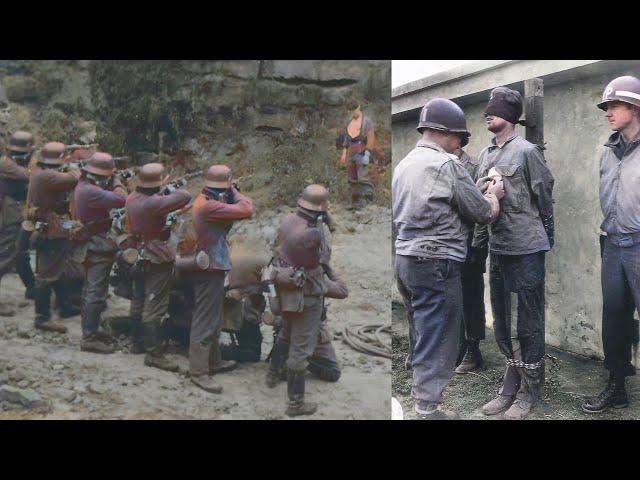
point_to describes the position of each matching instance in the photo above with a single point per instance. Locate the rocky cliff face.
(274, 122)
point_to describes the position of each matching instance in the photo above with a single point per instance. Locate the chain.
(520, 364)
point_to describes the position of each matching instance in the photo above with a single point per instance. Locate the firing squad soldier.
(215, 209)
(48, 198)
(14, 182)
(302, 249)
(146, 210)
(435, 203)
(620, 275)
(517, 241)
(97, 192)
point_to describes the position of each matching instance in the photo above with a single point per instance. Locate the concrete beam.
(472, 83)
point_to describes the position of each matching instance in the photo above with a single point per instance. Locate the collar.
(619, 146)
(494, 144)
(432, 145)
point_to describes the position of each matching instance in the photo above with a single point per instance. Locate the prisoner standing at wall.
(472, 274)
(14, 182)
(620, 203)
(358, 142)
(301, 251)
(48, 198)
(147, 209)
(214, 211)
(517, 240)
(97, 192)
(435, 204)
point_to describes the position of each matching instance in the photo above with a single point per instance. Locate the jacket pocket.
(513, 188)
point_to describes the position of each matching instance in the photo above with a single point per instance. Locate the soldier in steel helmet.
(620, 202)
(97, 192)
(146, 210)
(435, 203)
(517, 241)
(48, 197)
(215, 209)
(14, 181)
(300, 269)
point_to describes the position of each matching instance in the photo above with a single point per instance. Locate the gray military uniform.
(435, 204)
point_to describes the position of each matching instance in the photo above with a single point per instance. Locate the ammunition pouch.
(288, 278)
(291, 301)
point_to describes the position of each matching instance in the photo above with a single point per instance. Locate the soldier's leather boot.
(295, 391)
(137, 343)
(472, 359)
(155, 356)
(65, 308)
(498, 404)
(614, 395)
(433, 411)
(199, 363)
(277, 364)
(217, 364)
(324, 369)
(43, 319)
(93, 343)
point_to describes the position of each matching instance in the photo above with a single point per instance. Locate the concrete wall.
(575, 131)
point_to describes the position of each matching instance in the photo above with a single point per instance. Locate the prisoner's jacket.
(528, 188)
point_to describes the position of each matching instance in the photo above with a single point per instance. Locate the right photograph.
(516, 239)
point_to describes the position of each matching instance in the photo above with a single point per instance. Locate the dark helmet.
(100, 163)
(314, 197)
(444, 115)
(622, 89)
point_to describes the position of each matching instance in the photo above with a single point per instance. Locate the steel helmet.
(100, 163)
(218, 176)
(622, 89)
(444, 115)
(314, 197)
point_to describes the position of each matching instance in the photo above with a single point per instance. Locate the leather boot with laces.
(518, 410)
(614, 395)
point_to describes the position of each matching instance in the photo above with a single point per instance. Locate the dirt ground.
(568, 379)
(79, 385)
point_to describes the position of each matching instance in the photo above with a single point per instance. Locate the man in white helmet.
(620, 202)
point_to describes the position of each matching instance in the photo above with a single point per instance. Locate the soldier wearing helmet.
(620, 202)
(48, 195)
(97, 192)
(517, 241)
(215, 209)
(14, 180)
(435, 203)
(147, 209)
(300, 268)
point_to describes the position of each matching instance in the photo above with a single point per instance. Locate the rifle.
(181, 182)
(71, 165)
(75, 146)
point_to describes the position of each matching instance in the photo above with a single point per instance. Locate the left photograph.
(195, 239)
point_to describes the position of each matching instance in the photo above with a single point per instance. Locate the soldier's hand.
(497, 188)
(343, 157)
(76, 172)
(483, 183)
